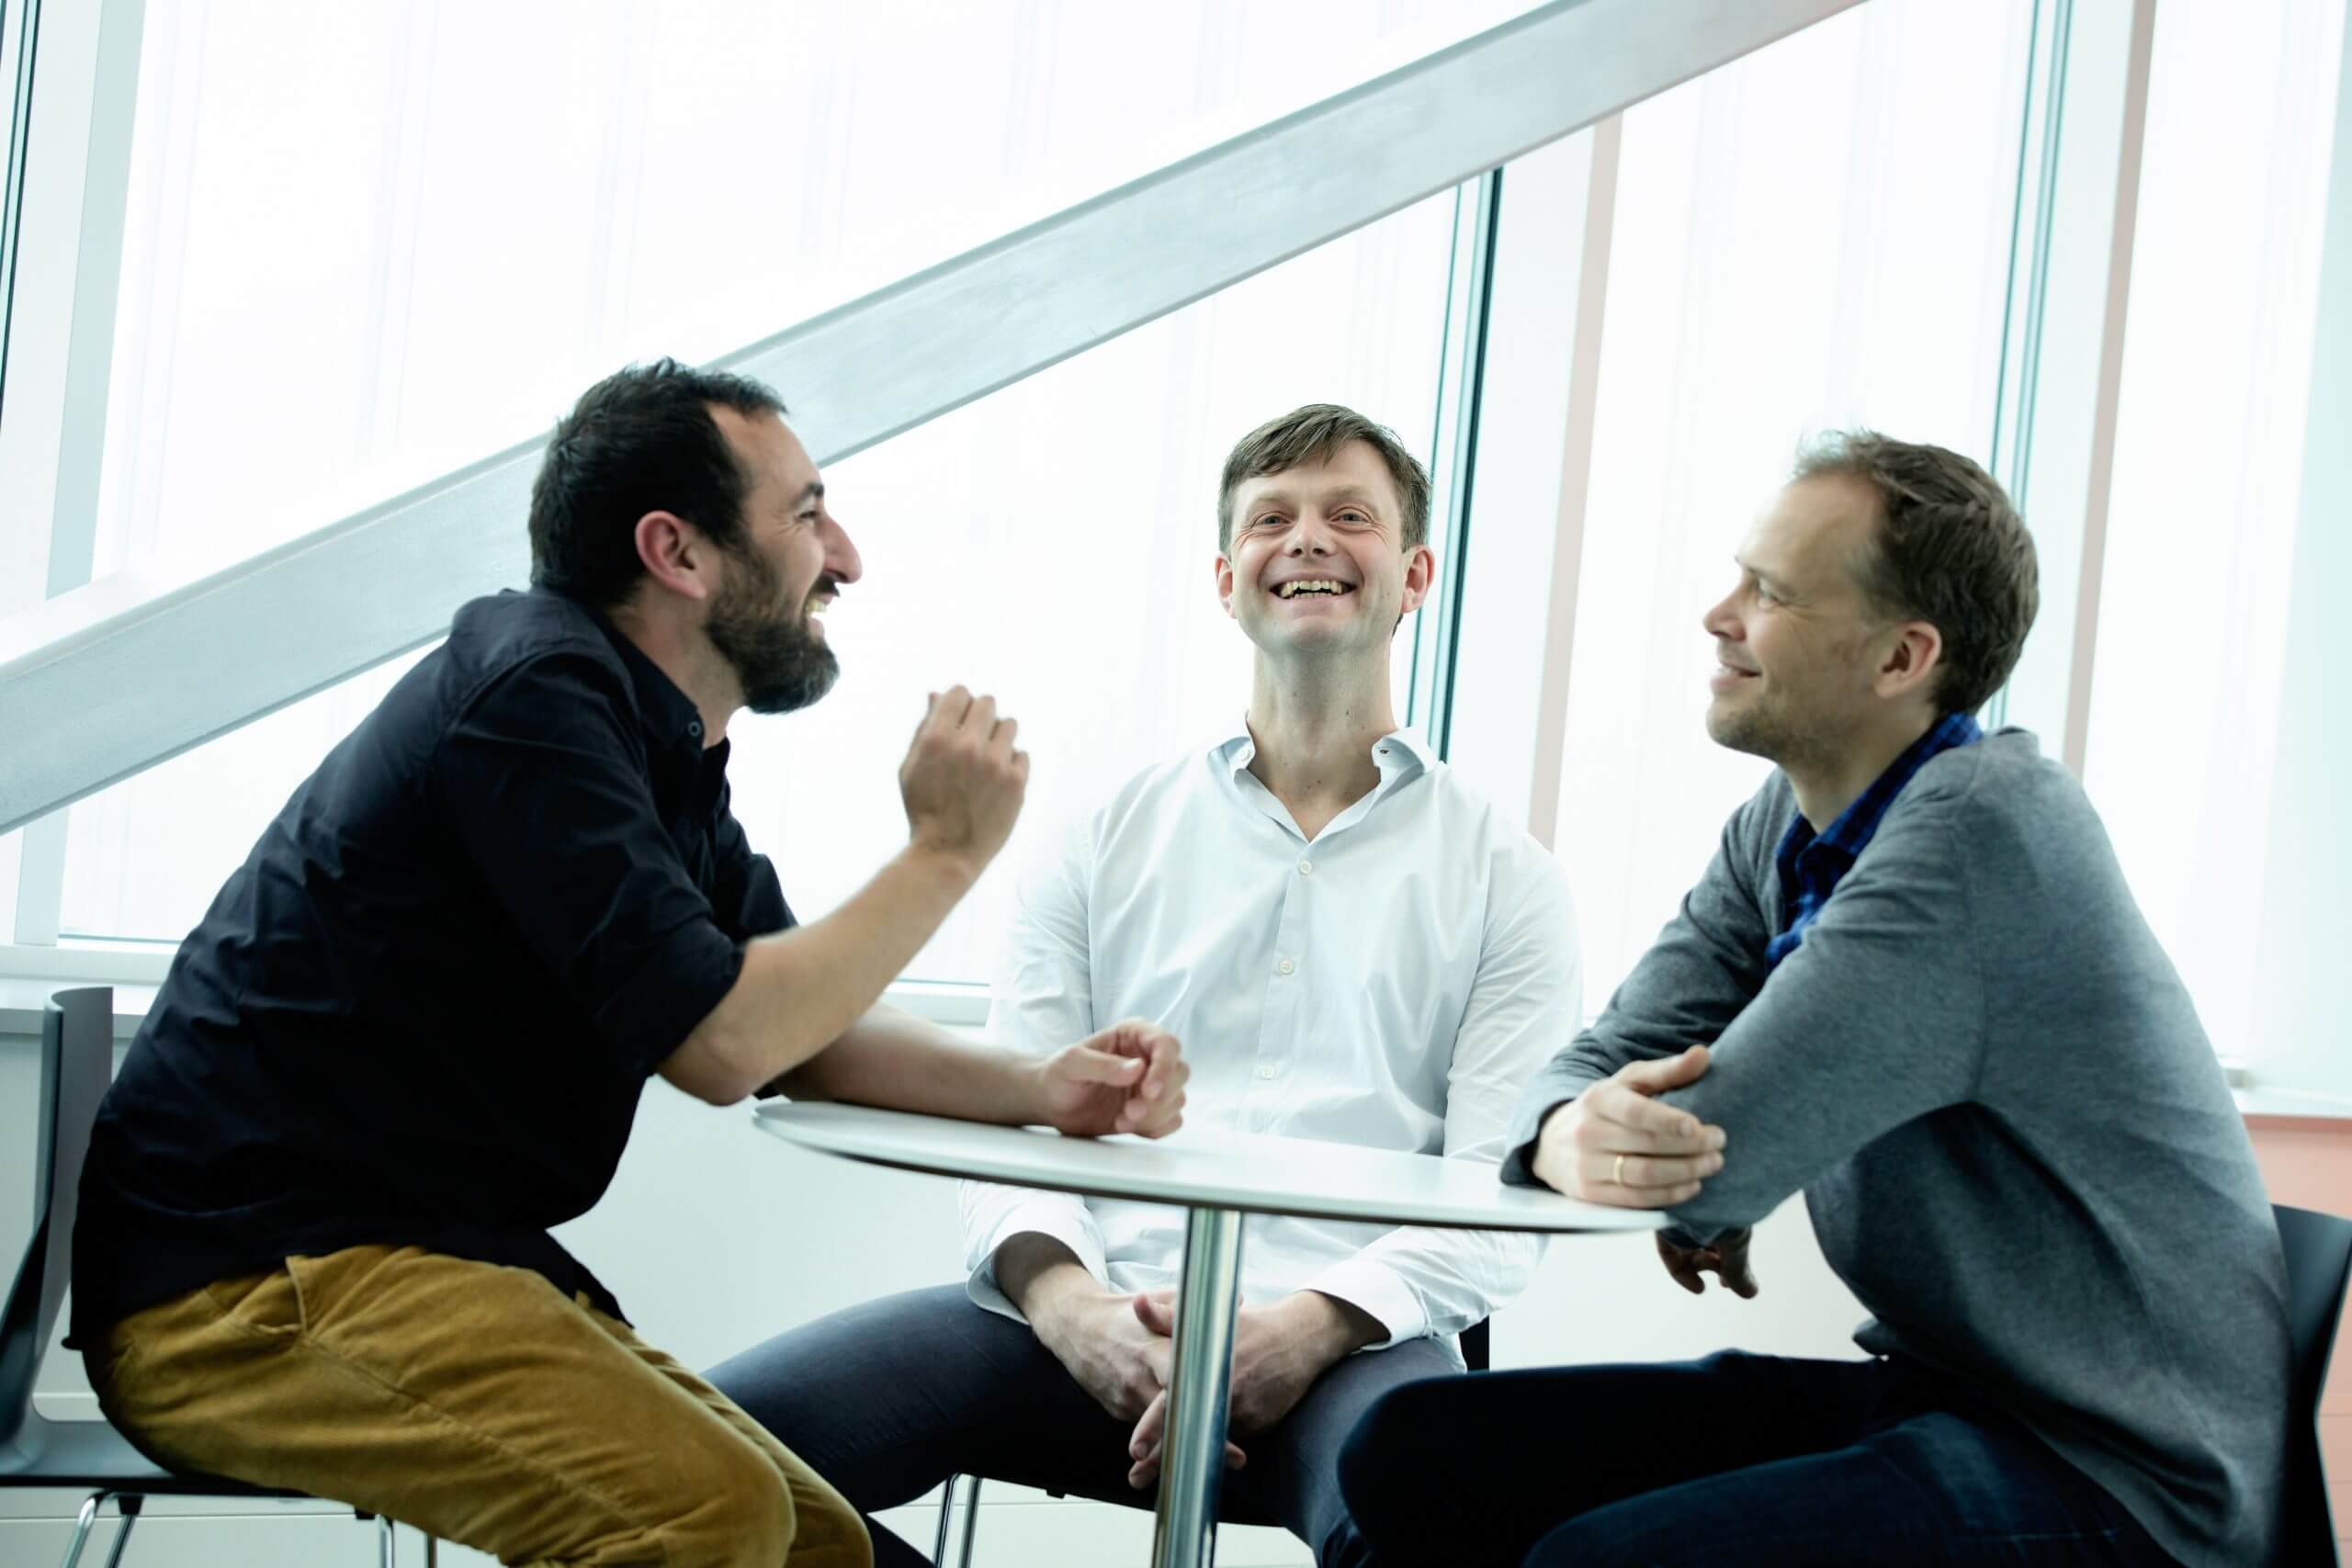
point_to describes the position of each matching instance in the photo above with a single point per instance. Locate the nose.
(1310, 534)
(1721, 623)
(841, 558)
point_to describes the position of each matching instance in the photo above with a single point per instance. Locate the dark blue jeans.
(1755, 1459)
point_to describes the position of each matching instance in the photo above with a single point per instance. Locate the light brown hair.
(1315, 434)
(1950, 549)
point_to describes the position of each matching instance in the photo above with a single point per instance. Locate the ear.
(1911, 662)
(1224, 571)
(677, 556)
(1420, 576)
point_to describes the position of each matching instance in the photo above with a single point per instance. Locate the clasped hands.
(1617, 1143)
(1121, 1348)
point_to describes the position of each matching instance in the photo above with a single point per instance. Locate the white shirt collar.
(1401, 752)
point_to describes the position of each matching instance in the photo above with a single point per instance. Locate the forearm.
(892, 1058)
(802, 989)
(1036, 1271)
(1331, 1327)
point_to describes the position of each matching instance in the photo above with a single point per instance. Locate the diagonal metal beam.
(130, 671)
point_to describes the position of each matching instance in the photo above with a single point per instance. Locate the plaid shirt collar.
(1811, 866)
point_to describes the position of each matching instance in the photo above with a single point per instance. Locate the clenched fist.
(962, 780)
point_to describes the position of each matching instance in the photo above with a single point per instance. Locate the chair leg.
(432, 1551)
(971, 1521)
(82, 1524)
(384, 1552)
(127, 1505)
(946, 1517)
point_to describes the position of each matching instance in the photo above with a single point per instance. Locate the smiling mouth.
(1313, 588)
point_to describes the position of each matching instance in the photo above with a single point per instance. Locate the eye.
(1351, 514)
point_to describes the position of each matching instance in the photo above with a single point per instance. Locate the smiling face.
(1318, 562)
(1799, 648)
(790, 563)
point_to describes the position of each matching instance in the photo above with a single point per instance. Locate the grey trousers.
(889, 1399)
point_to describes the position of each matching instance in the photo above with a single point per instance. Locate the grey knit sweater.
(2012, 1136)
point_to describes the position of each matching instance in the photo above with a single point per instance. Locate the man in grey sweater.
(1914, 986)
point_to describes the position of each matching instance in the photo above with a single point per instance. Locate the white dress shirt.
(1393, 984)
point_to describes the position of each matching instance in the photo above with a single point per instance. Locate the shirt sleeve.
(1044, 1000)
(1527, 996)
(1705, 966)
(747, 896)
(1875, 1019)
(542, 778)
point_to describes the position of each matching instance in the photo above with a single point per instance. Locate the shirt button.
(1307, 868)
(1285, 966)
(694, 730)
(1265, 1072)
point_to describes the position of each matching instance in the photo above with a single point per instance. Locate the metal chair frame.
(2318, 1265)
(76, 1065)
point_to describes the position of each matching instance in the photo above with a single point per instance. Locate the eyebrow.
(1769, 580)
(1345, 495)
(815, 492)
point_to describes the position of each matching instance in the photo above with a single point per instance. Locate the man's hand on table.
(1126, 1078)
(1614, 1144)
(1725, 1257)
(1279, 1350)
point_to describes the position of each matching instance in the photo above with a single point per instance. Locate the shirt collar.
(1858, 824)
(672, 723)
(1398, 753)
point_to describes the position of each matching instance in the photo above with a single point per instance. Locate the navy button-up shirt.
(1811, 866)
(423, 1012)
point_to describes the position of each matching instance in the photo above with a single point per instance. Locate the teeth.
(1293, 589)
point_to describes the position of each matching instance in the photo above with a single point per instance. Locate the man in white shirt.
(1355, 947)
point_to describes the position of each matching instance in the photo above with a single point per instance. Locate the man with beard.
(1355, 948)
(411, 1033)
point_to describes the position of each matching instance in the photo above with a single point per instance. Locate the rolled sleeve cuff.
(1380, 1291)
(677, 987)
(1064, 1222)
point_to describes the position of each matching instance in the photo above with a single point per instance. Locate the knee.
(745, 1517)
(1376, 1460)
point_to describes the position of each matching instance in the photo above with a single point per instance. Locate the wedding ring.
(1617, 1172)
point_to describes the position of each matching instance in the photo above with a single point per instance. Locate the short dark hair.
(641, 440)
(1315, 434)
(1950, 549)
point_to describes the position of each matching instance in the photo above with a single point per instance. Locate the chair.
(76, 1063)
(1476, 1356)
(2319, 1261)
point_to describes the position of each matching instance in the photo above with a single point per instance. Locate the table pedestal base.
(1192, 1465)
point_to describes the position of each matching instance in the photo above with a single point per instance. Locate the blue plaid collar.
(1811, 866)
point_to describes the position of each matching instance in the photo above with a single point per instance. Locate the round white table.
(1218, 1177)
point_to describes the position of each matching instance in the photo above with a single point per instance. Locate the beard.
(779, 657)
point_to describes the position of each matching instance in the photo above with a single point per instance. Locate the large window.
(364, 247)
(2186, 710)
(361, 249)
(367, 242)
(1816, 236)
(1052, 544)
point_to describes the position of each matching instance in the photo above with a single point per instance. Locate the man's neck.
(1828, 785)
(1314, 728)
(689, 662)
